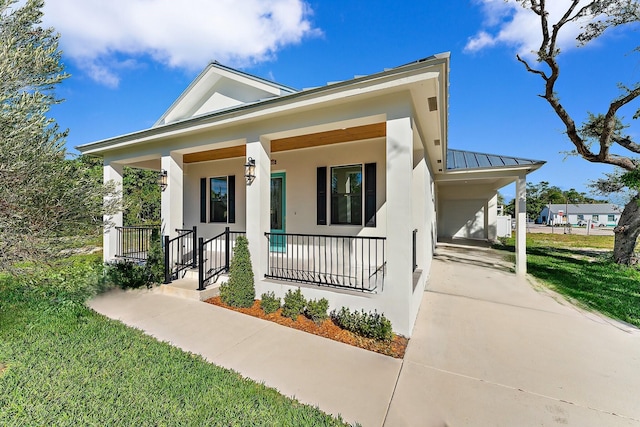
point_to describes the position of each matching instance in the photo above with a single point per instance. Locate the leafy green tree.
(46, 200)
(594, 140)
(141, 195)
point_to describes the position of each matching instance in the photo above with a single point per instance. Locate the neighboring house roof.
(460, 160)
(585, 208)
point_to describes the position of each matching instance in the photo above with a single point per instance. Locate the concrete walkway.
(488, 349)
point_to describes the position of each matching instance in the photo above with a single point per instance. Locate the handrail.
(215, 256)
(180, 253)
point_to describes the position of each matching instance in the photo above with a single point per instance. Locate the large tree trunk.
(627, 233)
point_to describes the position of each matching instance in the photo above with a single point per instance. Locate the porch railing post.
(226, 248)
(167, 264)
(201, 286)
(195, 246)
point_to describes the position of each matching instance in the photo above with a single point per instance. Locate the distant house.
(598, 214)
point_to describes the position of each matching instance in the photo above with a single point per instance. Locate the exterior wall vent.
(433, 103)
(436, 142)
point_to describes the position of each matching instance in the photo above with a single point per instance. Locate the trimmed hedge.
(240, 290)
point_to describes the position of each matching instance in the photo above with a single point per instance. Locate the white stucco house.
(342, 190)
(587, 214)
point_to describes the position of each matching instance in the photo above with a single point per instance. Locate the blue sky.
(130, 59)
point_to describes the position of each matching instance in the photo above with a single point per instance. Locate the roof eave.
(102, 145)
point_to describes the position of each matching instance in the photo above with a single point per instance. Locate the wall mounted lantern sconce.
(250, 170)
(162, 179)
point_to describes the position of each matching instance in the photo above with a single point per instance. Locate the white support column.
(521, 225)
(491, 218)
(111, 172)
(398, 287)
(258, 207)
(172, 199)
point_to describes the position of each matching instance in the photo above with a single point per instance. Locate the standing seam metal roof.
(460, 159)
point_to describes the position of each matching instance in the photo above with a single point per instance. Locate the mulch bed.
(328, 329)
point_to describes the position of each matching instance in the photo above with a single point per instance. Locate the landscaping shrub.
(128, 274)
(240, 290)
(316, 310)
(269, 303)
(370, 325)
(136, 274)
(294, 304)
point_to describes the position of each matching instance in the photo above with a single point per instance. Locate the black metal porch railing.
(134, 242)
(356, 263)
(215, 255)
(180, 253)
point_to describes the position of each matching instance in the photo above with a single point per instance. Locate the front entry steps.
(187, 287)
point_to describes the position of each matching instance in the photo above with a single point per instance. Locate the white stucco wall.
(218, 168)
(467, 211)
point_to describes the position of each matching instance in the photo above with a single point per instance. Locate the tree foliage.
(602, 131)
(45, 198)
(541, 194)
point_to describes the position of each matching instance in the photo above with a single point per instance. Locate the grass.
(580, 268)
(63, 364)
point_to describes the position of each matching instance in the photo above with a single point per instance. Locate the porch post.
(521, 230)
(258, 206)
(172, 198)
(111, 172)
(399, 280)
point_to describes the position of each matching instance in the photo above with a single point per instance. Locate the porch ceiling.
(219, 154)
(357, 133)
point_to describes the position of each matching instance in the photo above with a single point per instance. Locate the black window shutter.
(203, 199)
(322, 196)
(231, 195)
(370, 195)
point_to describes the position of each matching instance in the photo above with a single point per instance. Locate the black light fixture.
(162, 179)
(250, 170)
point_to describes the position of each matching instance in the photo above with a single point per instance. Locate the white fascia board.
(484, 173)
(395, 79)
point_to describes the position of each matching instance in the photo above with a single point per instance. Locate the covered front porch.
(314, 207)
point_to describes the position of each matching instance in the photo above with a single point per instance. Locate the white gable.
(219, 88)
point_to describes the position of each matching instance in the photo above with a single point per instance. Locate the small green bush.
(269, 303)
(316, 310)
(370, 325)
(240, 290)
(294, 304)
(127, 274)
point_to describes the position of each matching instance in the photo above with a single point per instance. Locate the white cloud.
(507, 23)
(185, 34)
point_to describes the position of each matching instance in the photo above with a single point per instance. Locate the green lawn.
(63, 364)
(580, 267)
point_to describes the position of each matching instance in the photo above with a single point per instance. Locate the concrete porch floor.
(488, 349)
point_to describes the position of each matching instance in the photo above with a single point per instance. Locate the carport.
(467, 197)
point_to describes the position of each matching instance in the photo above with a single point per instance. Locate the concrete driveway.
(490, 349)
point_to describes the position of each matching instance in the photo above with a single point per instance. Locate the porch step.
(188, 289)
(192, 274)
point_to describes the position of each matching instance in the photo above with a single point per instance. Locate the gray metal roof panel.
(586, 208)
(461, 159)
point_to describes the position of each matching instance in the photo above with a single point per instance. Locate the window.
(580, 217)
(611, 218)
(346, 195)
(218, 209)
(221, 199)
(595, 218)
